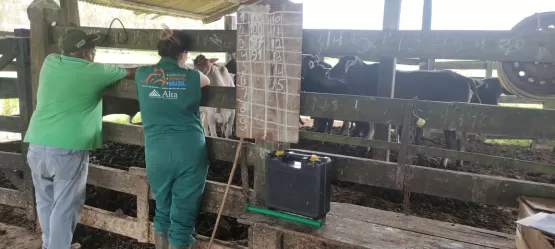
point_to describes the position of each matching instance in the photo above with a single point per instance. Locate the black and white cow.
(231, 66)
(315, 78)
(441, 85)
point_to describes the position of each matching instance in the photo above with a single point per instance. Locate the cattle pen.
(348, 226)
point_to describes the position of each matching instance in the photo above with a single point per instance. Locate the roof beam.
(150, 8)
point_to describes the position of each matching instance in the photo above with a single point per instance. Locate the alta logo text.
(165, 95)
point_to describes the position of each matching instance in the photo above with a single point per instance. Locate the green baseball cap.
(75, 40)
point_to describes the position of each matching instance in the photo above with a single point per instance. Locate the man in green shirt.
(66, 124)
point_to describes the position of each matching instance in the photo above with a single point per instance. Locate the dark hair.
(174, 42)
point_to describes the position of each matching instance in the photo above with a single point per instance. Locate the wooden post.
(269, 48)
(42, 14)
(489, 68)
(544, 143)
(386, 78)
(262, 236)
(70, 13)
(426, 64)
(143, 191)
(230, 23)
(24, 90)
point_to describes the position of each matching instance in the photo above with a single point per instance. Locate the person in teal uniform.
(175, 148)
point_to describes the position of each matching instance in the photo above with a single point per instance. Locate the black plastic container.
(298, 183)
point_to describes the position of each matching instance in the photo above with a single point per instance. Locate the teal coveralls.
(175, 147)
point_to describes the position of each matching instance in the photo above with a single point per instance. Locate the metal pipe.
(285, 216)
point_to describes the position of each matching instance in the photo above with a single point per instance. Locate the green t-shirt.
(69, 103)
(169, 99)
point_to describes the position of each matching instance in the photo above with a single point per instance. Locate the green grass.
(520, 142)
(117, 118)
(9, 107)
(122, 118)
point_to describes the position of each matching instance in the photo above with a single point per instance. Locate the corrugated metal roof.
(205, 10)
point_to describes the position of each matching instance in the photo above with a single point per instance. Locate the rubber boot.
(161, 240)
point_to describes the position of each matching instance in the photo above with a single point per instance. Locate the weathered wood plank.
(444, 183)
(460, 65)
(11, 146)
(450, 44)
(8, 88)
(485, 159)
(7, 45)
(348, 233)
(516, 100)
(6, 33)
(12, 197)
(128, 226)
(444, 44)
(464, 186)
(429, 151)
(9, 68)
(356, 141)
(7, 58)
(123, 133)
(455, 232)
(109, 221)
(133, 134)
(532, 123)
(262, 236)
(114, 179)
(221, 97)
(430, 228)
(12, 161)
(9, 124)
(518, 122)
(126, 182)
(147, 39)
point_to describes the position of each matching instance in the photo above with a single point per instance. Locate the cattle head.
(231, 66)
(310, 65)
(203, 64)
(342, 67)
(315, 76)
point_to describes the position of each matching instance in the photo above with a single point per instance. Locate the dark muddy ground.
(477, 215)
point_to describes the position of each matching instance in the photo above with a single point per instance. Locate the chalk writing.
(510, 45)
(472, 45)
(269, 61)
(204, 40)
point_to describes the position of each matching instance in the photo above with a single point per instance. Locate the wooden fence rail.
(437, 182)
(367, 44)
(17, 48)
(531, 123)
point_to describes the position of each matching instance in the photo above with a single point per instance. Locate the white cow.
(210, 116)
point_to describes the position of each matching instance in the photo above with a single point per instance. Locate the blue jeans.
(60, 178)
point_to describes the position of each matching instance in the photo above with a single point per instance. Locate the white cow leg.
(371, 131)
(213, 130)
(211, 122)
(229, 125)
(204, 121)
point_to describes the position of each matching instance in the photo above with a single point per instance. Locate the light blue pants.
(60, 178)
